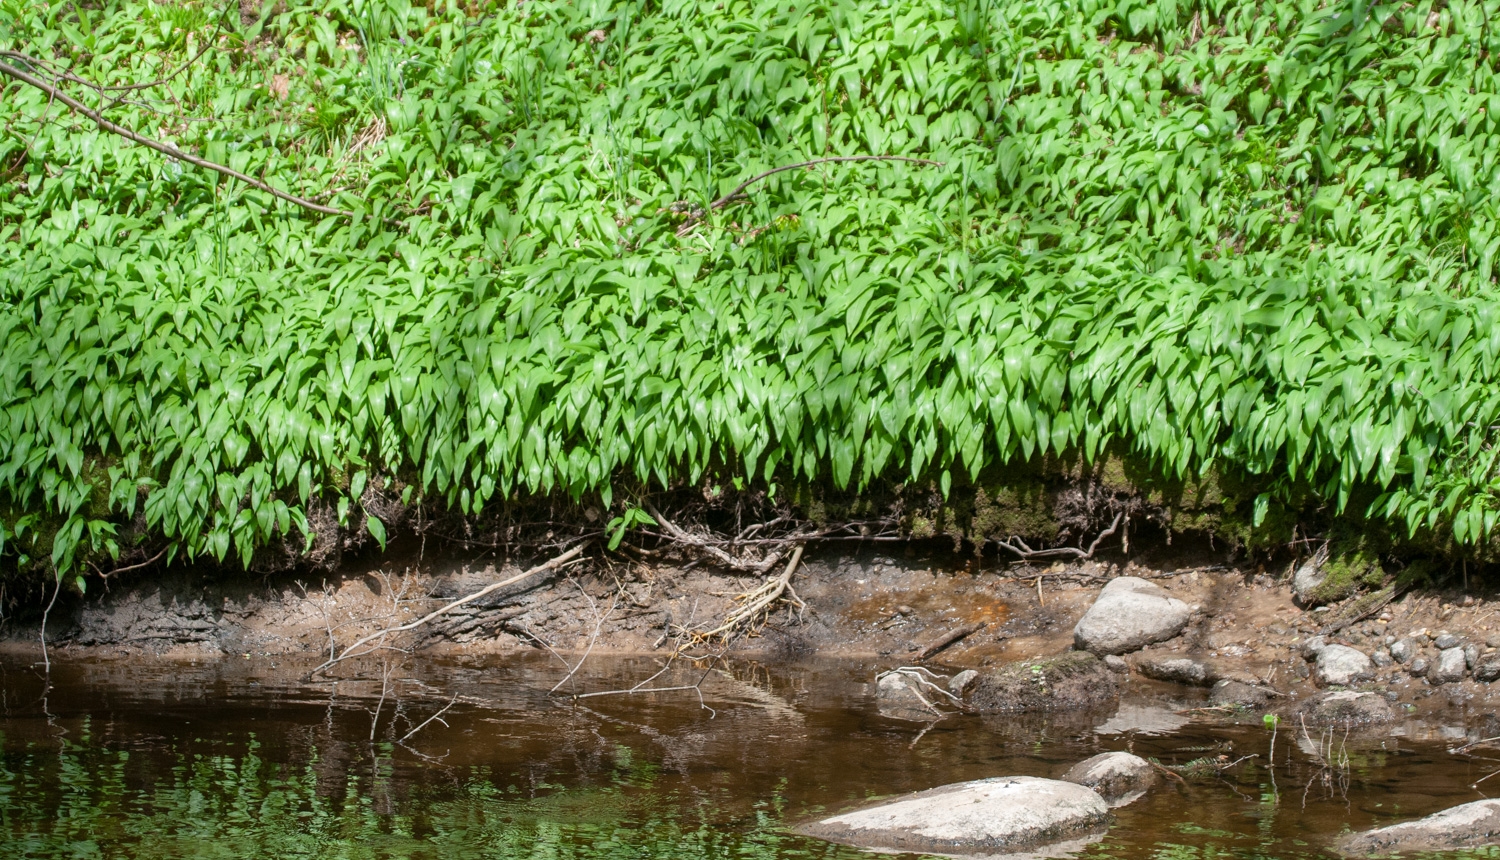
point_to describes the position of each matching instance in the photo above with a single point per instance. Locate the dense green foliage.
(1256, 237)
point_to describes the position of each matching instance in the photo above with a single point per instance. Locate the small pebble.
(1447, 640)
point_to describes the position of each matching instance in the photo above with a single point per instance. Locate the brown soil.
(882, 608)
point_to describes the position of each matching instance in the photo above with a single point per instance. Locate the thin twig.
(598, 625)
(449, 607)
(46, 661)
(147, 563)
(164, 148)
(385, 688)
(437, 716)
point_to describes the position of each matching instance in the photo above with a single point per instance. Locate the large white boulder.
(985, 817)
(1472, 825)
(1130, 614)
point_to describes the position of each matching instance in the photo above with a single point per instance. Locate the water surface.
(239, 759)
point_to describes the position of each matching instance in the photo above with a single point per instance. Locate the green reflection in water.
(77, 799)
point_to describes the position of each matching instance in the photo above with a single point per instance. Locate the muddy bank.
(1245, 628)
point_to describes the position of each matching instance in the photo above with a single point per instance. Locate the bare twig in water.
(1471, 744)
(1020, 548)
(385, 689)
(696, 687)
(167, 149)
(437, 717)
(47, 661)
(599, 619)
(352, 650)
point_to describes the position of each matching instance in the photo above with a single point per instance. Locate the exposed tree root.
(758, 602)
(1018, 546)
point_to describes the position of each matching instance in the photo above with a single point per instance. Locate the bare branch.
(147, 563)
(352, 650)
(166, 149)
(437, 716)
(948, 639)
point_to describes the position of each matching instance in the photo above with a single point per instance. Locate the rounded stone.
(1130, 614)
(987, 816)
(1346, 708)
(1229, 693)
(1449, 668)
(1470, 825)
(1341, 666)
(1403, 650)
(1179, 670)
(1118, 777)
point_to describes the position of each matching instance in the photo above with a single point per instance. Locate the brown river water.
(135, 759)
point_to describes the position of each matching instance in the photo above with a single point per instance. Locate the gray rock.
(896, 696)
(1382, 659)
(1471, 825)
(1418, 666)
(1444, 641)
(1487, 671)
(1115, 663)
(1118, 777)
(984, 817)
(1403, 650)
(1449, 667)
(1340, 666)
(1130, 614)
(1308, 577)
(960, 682)
(1301, 671)
(1313, 647)
(1346, 708)
(1229, 693)
(1179, 670)
(1471, 656)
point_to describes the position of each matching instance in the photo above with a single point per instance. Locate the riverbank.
(885, 609)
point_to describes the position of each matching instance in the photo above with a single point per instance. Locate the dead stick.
(437, 716)
(950, 638)
(166, 149)
(449, 607)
